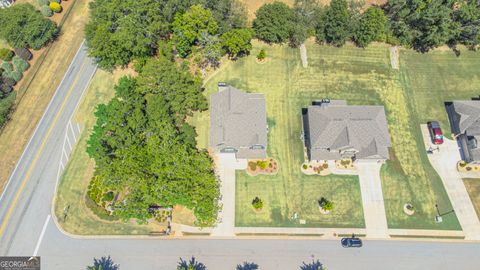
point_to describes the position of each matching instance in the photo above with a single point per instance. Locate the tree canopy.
(189, 27)
(145, 152)
(273, 22)
(22, 26)
(372, 27)
(237, 41)
(421, 24)
(335, 24)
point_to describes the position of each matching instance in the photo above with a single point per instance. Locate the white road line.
(41, 235)
(73, 132)
(65, 153)
(39, 122)
(68, 140)
(78, 127)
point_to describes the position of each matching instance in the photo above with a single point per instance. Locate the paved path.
(372, 199)
(303, 55)
(226, 166)
(444, 162)
(25, 204)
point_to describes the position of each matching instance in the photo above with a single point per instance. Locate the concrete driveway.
(372, 199)
(226, 166)
(444, 161)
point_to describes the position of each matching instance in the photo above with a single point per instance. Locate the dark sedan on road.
(351, 242)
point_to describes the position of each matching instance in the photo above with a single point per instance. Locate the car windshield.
(438, 136)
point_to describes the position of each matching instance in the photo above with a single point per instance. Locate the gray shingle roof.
(469, 116)
(464, 118)
(238, 121)
(338, 131)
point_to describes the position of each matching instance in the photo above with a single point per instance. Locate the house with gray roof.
(464, 116)
(238, 123)
(6, 3)
(334, 130)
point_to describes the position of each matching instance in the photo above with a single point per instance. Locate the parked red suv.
(435, 132)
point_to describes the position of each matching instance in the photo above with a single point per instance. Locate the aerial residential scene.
(239, 134)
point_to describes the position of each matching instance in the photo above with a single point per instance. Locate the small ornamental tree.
(46, 11)
(55, 7)
(325, 204)
(262, 55)
(257, 203)
(6, 54)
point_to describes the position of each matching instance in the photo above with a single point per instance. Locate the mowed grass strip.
(73, 185)
(362, 77)
(473, 188)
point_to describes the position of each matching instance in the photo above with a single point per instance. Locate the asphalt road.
(27, 229)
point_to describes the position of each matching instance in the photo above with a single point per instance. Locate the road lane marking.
(73, 131)
(68, 140)
(34, 162)
(41, 235)
(78, 127)
(39, 122)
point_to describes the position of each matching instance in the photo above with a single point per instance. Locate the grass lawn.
(473, 188)
(73, 185)
(363, 77)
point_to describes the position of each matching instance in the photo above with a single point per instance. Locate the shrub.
(7, 67)
(16, 75)
(55, 7)
(304, 166)
(257, 203)
(468, 168)
(325, 204)
(9, 81)
(6, 54)
(46, 11)
(325, 165)
(23, 53)
(262, 54)
(252, 165)
(108, 197)
(262, 164)
(43, 2)
(20, 64)
(462, 164)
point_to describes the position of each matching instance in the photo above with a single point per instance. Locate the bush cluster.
(6, 54)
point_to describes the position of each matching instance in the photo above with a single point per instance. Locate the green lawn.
(361, 76)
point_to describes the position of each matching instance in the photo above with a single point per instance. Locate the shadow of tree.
(247, 266)
(192, 264)
(104, 263)
(314, 265)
